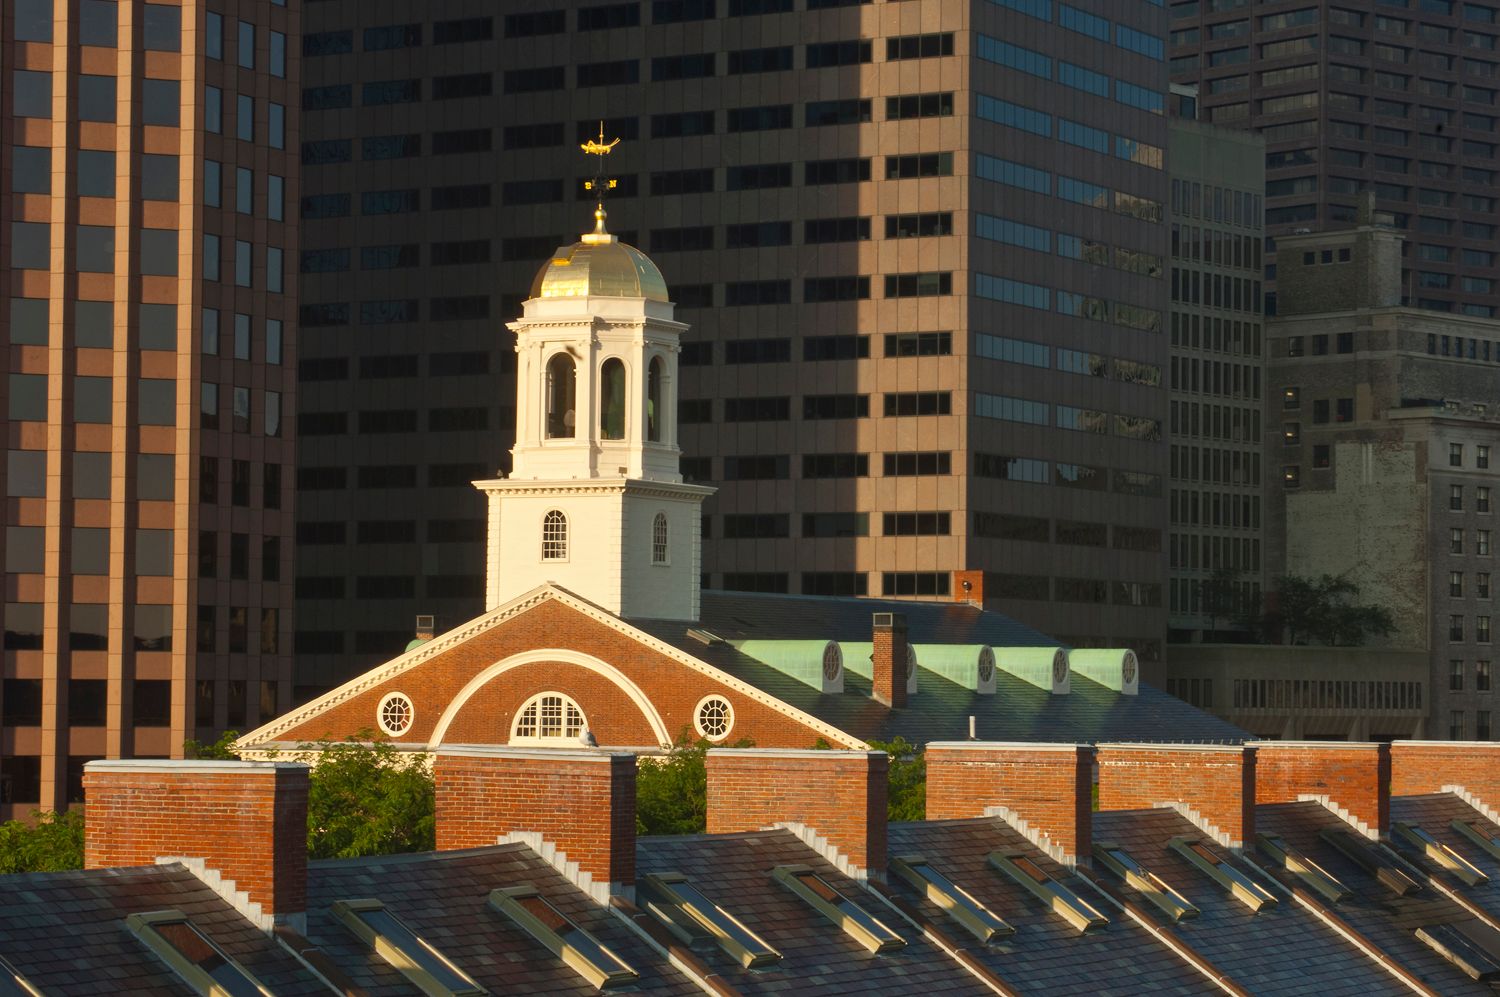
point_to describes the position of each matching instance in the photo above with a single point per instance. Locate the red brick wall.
(1354, 776)
(1217, 782)
(582, 801)
(839, 794)
(674, 688)
(888, 660)
(1050, 786)
(247, 820)
(1428, 766)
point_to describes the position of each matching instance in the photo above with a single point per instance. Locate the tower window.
(554, 536)
(653, 401)
(659, 539)
(612, 399)
(562, 378)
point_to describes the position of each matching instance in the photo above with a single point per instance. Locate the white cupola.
(595, 501)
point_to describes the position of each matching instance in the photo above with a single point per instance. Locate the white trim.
(602, 668)
(526, 601)
(567, 703)
(380, 713)
(183, 766)
(698, 711)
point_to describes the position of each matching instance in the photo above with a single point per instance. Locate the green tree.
(1323, 609)
(907, 798)
(671, 792)
(53, 843)
(220, 750)
(1221, 597)
(366, 798)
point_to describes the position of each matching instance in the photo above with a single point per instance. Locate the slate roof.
(65, 932)
(940, 711)
(734, 871)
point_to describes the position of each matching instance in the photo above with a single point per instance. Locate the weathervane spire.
(599, 185)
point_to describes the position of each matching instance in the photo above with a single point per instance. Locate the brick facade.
(245, 820)
(582, 801)
(1050, 786)
(1218, 782)
(1354, 776)
(841, 795)
(1427, 766)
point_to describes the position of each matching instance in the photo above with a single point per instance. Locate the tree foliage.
(220, 750)
(366, 798)
(907, 799)
(671, 792)
(1323, 609)
(53, 843)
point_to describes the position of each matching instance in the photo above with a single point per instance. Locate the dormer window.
(612, 399)
(562, 381)
(555, 536)
(654, 413)
(550, 717)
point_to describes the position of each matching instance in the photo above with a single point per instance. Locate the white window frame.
(535, 703)
(661, 540)
(554, 541)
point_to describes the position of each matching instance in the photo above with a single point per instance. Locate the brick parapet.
(1049, 787)
(1434, 766)
(1353, 776)
(1214, 782)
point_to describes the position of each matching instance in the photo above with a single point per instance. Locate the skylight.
(581, 951)
(1149, 884)
(1437, 852)
(1049, 891)
(977, 919)
(202, 965)
(852, 919)
(1461, 950)
(1244, 889)
(1311, 874)
(672, 889)
(1472, 831)
(1378, 864)
(403, 950)
(13, 984)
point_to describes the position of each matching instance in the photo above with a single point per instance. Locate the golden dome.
(599, 264)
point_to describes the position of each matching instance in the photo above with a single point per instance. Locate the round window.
(1130, 667)
(833, 662)
(986, 665)
(395, 714)
(714, 717)
(911, 661)
(1059, 667)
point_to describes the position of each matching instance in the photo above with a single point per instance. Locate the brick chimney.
(1215, 784)
(834, 799)
(1355, 777)
(1048, 787)
(1430, 766)
(890, 659)
(245, 821)
(578, 801)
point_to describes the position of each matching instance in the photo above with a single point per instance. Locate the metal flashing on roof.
(1149, 884)
(853, 920)
(1044, 667)
(404, 950)
(193, 956)
(1216, 867)
(665, 892)
(1312, 875)
(705, 636)
(1372, 859)
(955, 901)
(1113, 668)
(581, 951)
(1461, 950)
(1438, 853)
(13, 984)
(971, 666)
(1471, 830)
(1063, 901)
(818, 664)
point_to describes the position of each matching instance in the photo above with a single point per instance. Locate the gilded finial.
(599, 185)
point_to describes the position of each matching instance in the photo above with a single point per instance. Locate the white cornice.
(594, 486)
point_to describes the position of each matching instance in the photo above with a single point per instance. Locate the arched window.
(562, 381)
(654, 413)
(612, 399)
(659, 539)
(554, 536)
(549, 717)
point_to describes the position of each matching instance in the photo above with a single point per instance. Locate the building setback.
(1216, 367)
(1395, 98)
(149, 209)
(1382, 421)
(921, 247)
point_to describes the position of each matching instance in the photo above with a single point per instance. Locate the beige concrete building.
(1216, 368)
(1383, 423)
(921, 247)
(149, 206)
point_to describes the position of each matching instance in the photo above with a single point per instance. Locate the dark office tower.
(148, 315)
(1396, 97)
(920, 246)
(1214, 551)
